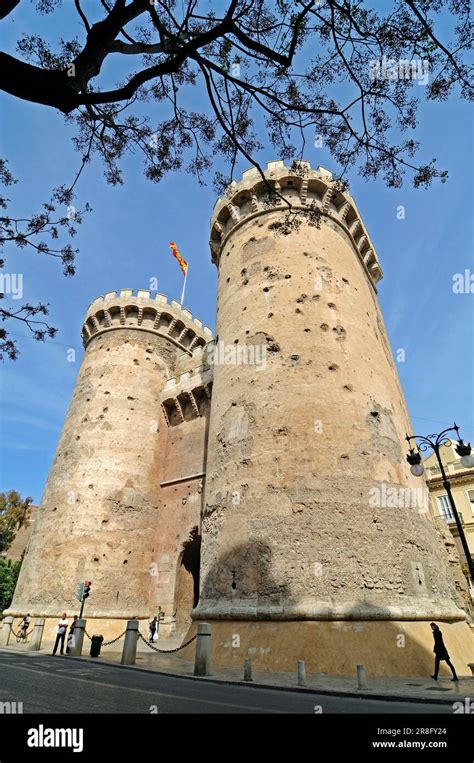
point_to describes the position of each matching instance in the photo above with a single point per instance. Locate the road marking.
(74, 672)
(147, 691)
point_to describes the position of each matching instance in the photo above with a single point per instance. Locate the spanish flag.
(182, 262)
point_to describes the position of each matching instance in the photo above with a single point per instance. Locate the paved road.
(59, 685)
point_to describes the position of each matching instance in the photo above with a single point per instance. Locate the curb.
(271, 687)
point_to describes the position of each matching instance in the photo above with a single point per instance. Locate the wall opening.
(187, 581)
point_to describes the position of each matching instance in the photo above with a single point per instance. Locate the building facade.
(461, 479)
(243, 481)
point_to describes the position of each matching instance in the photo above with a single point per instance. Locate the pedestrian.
(441, 653)
(152, 627)
(160, 618)
(60, 634)
(70, 638)
(25, 624)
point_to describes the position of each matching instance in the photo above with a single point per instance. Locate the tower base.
(385, 648)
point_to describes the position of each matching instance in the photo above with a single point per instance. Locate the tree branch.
(82, 15)
(7, 6)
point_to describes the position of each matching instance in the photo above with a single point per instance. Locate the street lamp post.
(435, 442)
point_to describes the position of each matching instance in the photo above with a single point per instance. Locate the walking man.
(60, 634)
(441, 653)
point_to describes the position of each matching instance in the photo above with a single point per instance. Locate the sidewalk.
(407, 689)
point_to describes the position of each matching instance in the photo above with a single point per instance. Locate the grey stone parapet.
(144, 312)
(300, 185)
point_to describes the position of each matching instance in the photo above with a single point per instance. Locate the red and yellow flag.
(182, 262)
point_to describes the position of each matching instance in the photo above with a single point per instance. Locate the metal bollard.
(37, 635)
(248, 670)
(301, 673)
(78, 638)
(6, 630)
(361, 682)
(129, 653)
(202, 659)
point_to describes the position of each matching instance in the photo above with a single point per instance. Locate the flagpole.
(184, 286)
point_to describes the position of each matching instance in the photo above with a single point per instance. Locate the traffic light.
(87, 588)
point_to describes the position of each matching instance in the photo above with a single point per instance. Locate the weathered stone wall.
(186, 403)
(105, 515)
(303, 448)
(179, 530)
(101, 499)
(185, 453)
(384, 647)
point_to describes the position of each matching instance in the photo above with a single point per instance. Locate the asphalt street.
(59, 685)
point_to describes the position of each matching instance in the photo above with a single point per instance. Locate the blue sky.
(124, 243)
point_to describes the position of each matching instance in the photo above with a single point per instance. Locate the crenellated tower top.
(144, 312)
(300, 185)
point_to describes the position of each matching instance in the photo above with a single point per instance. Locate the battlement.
(185, 393)
(185, 397)
(187, 380)
(145, 312)
(301, 186)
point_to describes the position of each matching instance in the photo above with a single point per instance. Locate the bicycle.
(22, 636)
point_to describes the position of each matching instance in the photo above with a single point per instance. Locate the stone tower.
(115, 509)
(314, 530)
(257, 481)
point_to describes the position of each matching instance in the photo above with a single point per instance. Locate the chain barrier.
(166, 651)
(155, 648)
(107, 643)
(104, 643)
(113, 641)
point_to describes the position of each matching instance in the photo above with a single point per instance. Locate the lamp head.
(464, 450)
(413, 458)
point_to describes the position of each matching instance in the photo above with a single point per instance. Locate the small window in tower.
(290, 182)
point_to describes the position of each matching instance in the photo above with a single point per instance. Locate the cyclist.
(25, 624)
